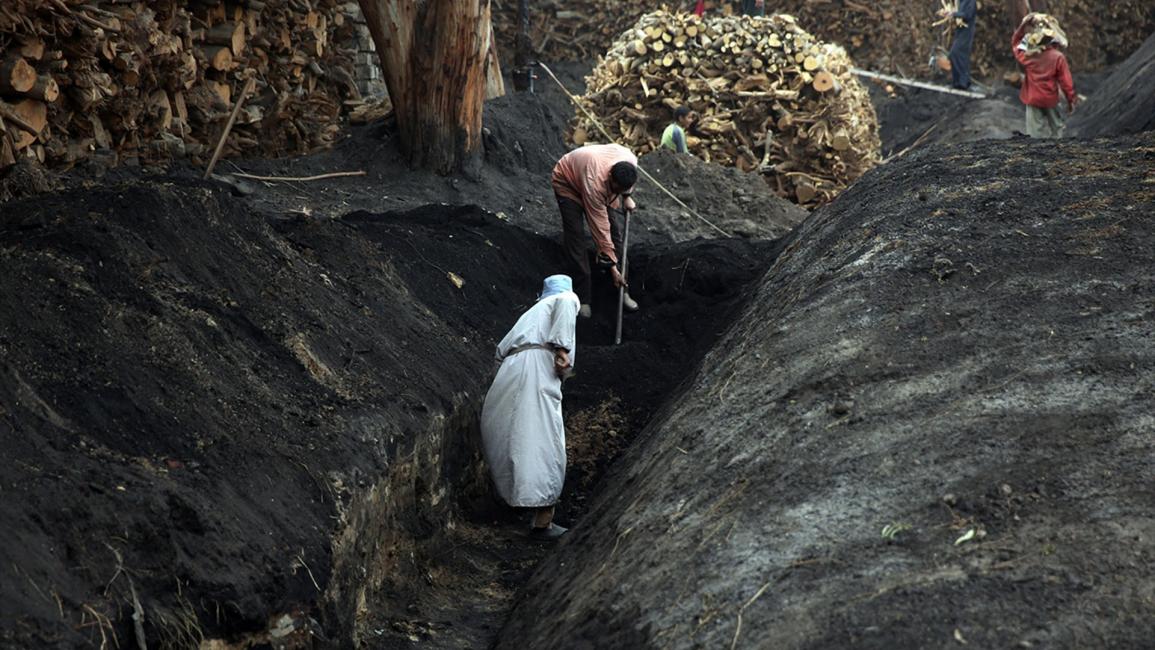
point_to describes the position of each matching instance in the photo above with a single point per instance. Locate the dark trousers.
(960, 57)
(748, 9)
(575, 242)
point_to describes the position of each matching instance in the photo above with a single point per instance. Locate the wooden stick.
(249, 85)
(299, 179)
(609, 137)
(917, 84)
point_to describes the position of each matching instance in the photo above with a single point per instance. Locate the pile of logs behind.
(134, 81)
(884, 35)
(770, 97)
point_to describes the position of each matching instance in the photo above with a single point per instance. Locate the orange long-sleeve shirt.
(583, 175)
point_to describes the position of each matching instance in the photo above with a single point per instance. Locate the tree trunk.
(434, 57)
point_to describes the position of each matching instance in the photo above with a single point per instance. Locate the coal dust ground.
(250, 407)
(197, 397)
(931, 428)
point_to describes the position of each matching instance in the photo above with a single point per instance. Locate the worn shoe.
(585, 311)
(551, 534)
(629, 303)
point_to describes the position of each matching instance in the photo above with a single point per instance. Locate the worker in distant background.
(1045, 72)
(674, 137)
(522, 430)
(753, 7)
(964, 39)
(588, 183)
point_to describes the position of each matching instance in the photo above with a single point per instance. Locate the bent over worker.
(588, 182)
(1045, 72)
(522, 430)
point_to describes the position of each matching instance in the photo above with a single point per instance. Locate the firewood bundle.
(770, 97)
(884, 35)
(128, 80)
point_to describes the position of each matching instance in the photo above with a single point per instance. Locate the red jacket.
(1045, 73)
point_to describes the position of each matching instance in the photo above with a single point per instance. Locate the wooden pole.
(917, 84)
(249, 85)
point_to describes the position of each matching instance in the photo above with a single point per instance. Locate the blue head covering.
(554, 285)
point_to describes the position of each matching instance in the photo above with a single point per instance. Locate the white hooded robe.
(521, 422)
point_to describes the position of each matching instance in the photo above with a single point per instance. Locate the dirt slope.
(189, 398)
(238, 417)
(1124, 102)
(962, 342)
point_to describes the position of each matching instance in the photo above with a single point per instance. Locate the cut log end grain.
(218, 57)
(823, 81)
(230, 35)
(17, 76)
(46, 89)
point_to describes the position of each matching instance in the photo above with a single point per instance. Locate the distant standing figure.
(588, 182)
(522, 430)
(960, 47)
(674, 137)
(1044, 74)
(753, 7)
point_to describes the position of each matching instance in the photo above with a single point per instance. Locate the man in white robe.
(521, 423)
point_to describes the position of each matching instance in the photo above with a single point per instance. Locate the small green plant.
(890, 531)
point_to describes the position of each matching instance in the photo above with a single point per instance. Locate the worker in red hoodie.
(1045, 73)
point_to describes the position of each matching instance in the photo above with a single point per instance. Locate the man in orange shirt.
(1045, 73)
(588, 182)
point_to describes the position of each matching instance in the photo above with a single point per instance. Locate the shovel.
(622, 268)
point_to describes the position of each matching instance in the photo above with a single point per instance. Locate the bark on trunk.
(434, 58)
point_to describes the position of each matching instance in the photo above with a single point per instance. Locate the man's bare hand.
(561, 363)
(619, 280)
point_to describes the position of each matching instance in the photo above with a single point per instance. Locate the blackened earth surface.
(932, 425)
(248, 423)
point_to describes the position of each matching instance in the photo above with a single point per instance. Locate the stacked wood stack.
(134, 81)
(883, 35)
(771, 98)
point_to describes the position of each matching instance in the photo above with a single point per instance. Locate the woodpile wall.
(770, 97)
(132, 81)
(885, 35)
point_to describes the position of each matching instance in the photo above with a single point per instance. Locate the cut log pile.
(133, 81)
(886, 35)
(770, 97)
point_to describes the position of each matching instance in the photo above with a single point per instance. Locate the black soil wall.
(193, 401)
(1124, 103)
(238, 417)
(960, 347)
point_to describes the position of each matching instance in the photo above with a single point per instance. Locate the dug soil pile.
(1124, 103)
(930, 426)
(232, 423)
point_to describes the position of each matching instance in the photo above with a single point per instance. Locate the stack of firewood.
(886, 35)
(770, 97)
(129, 80)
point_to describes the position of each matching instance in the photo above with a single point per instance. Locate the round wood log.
(218, 57)
(230, 35)
(16, 76)
(46, 89)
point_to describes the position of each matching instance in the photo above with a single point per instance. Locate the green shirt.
(674, 138)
